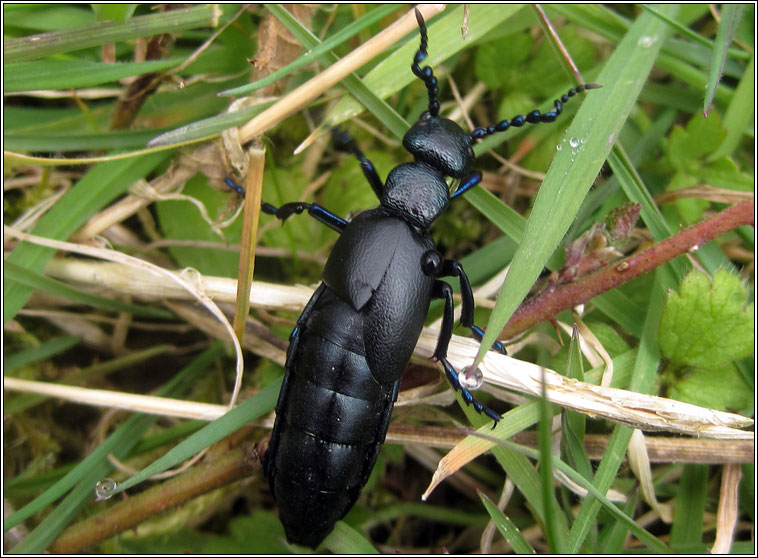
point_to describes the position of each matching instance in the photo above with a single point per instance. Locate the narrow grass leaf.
(93, 192)
(574, 424)
(73, 74)
(66, 142)
(690, 505)
(739, 111)
(507, 528)
(208, 127)
(731, 14)
(247, 411)
(549, 504)
(643, 377)
(44, 351)
(46, 44)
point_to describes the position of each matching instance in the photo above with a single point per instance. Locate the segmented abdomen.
(331, 419)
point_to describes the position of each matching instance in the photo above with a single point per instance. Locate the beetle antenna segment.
(425, 74)
(534, 117)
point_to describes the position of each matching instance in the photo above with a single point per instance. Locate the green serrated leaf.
(689, 209)
(488, 66)
(700, 138)
(721, 388)
(707, 324)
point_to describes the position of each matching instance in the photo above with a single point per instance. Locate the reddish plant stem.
(552, 301)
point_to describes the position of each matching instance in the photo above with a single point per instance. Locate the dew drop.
(573, 142)
(104, 489)
(471, 379)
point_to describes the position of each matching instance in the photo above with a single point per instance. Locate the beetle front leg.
(320, 214)
(444, 291)
(344, 142)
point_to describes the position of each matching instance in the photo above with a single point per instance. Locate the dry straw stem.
(728, 512)
(150, 272)
(646, 412)
(660, 449)
(332, 75)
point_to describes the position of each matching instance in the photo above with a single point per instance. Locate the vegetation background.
(88, 86)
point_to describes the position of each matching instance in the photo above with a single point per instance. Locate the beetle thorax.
(416, 192)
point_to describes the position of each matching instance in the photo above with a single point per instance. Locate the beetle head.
(441, 144)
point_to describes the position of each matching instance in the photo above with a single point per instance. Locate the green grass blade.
(249, 410)
(507, 528)
(690, 506)
(93, 192)
(208, 127)
(643, 377)
(72, 74)
(739, 111)
(120, 442)
(42, 352)
(551, 509)
(731, 14)
(595, 128)
(574, 424)
(38, 46)
(77, 141)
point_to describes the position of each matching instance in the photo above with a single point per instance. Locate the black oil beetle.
(358, 331)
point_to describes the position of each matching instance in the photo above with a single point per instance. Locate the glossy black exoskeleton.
(358, 331)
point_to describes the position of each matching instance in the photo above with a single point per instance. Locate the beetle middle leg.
(444, 291)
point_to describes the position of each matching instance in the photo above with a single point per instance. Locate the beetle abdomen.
(332, 417)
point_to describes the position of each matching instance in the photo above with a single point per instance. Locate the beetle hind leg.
(444, 291)
(468, 397)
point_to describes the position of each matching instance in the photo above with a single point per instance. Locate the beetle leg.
(344, 142)
(452, 268)
(444, 291)
(321, 214)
